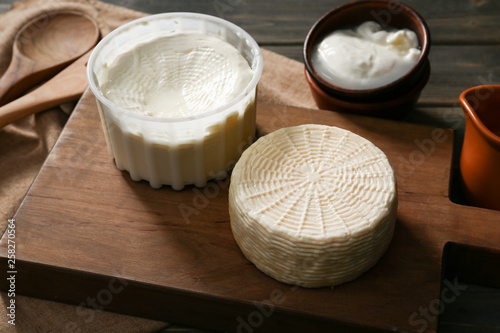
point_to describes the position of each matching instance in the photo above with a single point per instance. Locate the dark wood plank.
(84, 223)
(274, 22)
(476, 310)
(473, 306)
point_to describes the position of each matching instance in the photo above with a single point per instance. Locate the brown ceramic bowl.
(370, 101)
(480, 157)
(395, 107)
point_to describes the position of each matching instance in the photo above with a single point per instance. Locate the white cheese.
(313, 205)
(178, 76)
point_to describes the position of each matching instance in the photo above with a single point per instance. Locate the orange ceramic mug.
(480, 158)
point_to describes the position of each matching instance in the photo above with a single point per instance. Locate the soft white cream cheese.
(173, 76)
(177, 76)
(367, 57)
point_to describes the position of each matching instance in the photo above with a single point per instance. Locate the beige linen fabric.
(25, 144)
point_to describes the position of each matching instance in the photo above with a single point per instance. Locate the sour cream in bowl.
(365, 57)
(368, 56)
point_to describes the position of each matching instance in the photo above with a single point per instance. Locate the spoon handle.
(14, 80)
(22, 74)
(67, 86)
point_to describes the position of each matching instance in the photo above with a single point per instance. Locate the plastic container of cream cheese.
(183, 148)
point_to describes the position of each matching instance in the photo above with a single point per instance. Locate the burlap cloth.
(25, 144)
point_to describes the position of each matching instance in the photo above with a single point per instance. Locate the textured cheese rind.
(313, 205)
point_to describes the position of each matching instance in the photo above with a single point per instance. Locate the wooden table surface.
(465, 52)
(465, 49)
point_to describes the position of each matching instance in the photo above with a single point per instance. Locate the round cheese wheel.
(313, 205)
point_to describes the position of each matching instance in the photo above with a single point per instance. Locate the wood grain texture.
(478, 305)
(450, 22)
(67, 86)
(462, 22)
(86, 227)
(43, 47)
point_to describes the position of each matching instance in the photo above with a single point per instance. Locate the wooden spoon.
(65, 87)
(43, 47)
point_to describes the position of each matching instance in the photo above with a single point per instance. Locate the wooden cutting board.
(89, 235)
